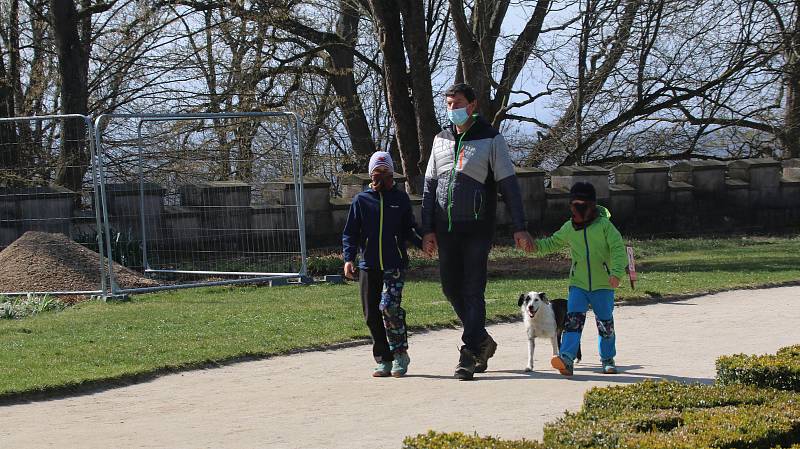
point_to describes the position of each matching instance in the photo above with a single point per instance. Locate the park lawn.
(94, 343)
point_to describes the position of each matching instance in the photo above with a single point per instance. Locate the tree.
(477, 38)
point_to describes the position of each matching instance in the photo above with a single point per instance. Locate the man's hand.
(524, 241)
(349, 270)
(613, 281)
(429, 244)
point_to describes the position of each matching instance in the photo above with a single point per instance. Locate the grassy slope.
(96, 341)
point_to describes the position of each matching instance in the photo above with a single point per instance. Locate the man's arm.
(507, 182)
(429, 195)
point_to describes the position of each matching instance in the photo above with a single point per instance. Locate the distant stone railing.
(689, 197)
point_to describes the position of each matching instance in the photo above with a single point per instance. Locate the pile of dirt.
(40, 261)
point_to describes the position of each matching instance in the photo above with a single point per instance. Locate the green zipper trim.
(397, 243)
(380, 235)
(588, 261)
(453, 176)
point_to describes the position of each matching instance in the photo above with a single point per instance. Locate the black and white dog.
(543, 318)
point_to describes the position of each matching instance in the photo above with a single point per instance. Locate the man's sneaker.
(486, 351)
(384, 369)
(563, 367)
(400, 364)
(466, 365)
(609, 367)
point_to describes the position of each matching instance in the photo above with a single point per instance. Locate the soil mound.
(40, 261)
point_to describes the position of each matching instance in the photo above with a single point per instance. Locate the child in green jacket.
(598, 263)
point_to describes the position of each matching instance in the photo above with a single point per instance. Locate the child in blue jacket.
(379, 223)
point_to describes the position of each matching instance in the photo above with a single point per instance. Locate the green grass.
(98, 342)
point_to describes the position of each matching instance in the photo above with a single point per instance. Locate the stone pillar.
(653, 208)
(128, 202)
(707, 177)
(317, 206)
(565, 177)
(737, 199)
(708, 180)
(790, 197)
(556, 211)
(791, 168)
(46, 209)
(763, 177)
(651, 181)
(224, 209)
(683, 206)
(531, 186)
(351, 184)
(622, 205)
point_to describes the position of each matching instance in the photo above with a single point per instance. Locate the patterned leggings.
(394, 316)
(381, 294)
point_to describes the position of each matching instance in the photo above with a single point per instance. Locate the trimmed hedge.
(737, 412)
(781, 371)
(674, 415)
(458, 440)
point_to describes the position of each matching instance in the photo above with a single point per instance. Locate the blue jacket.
(378, 226)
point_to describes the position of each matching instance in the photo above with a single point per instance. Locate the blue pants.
(578, 301)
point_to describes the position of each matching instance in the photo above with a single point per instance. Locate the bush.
(781, 370)
(23, 306)
(322, 265)
(453, 440)
(675, 415)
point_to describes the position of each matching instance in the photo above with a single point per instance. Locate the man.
(469, 161)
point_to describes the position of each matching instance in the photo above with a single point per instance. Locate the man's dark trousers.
(462, 266)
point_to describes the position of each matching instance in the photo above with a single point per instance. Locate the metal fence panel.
(201, 199)
(49, 233)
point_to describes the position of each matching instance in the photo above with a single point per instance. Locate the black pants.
(462, 267)
(381, 293)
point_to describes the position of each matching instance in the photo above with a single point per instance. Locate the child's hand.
(613, 281)
(349, 270)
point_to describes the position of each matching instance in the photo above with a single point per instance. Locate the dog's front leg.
(554, 341)
(531, 346)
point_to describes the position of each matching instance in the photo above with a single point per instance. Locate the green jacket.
(597, 251)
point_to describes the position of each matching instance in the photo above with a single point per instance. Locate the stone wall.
(688, 198)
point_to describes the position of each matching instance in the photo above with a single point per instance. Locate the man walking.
(469, 161)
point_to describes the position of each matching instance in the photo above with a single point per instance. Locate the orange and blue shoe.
(562, 365)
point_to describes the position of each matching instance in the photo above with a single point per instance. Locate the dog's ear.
(544, 297)
(521, 300)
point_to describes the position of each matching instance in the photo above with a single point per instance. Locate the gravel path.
(327, 399)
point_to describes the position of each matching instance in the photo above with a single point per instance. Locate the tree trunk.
(416, 44)
(387, 21)
(72, 71)
(344, 84)
(9, 149)
(790, 137)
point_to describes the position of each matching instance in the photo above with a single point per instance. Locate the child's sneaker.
(609, 367)
(400, 364)
(561, 364)
(384, 369)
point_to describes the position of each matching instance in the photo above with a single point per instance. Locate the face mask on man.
(458, 116)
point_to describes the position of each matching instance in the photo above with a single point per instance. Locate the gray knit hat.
(381, 159)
